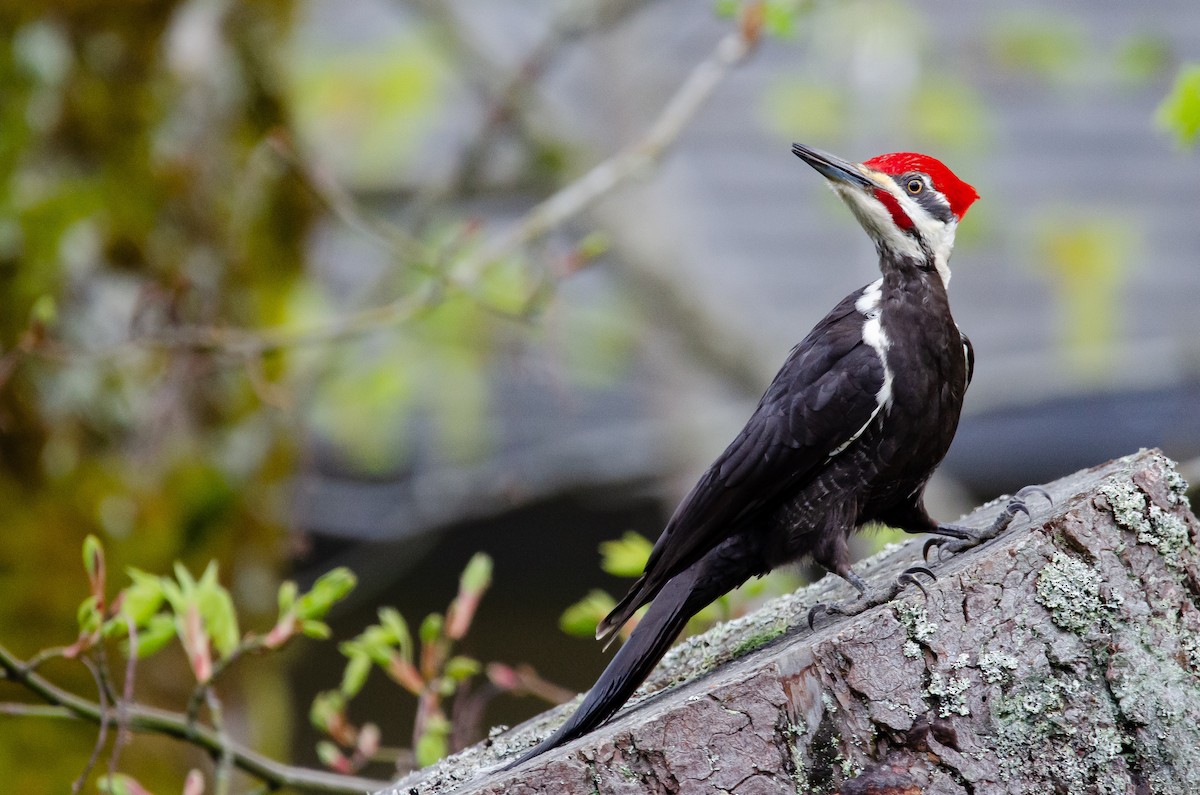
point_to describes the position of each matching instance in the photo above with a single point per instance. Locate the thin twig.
(123, 733)
(200, 693)
(34, 711)
(102, 735)
(173, 724)
(225, 760)
(634, 159)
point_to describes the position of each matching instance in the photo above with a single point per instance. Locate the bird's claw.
(965, 538)
(813, 612)
(1038, 490)
(872, 598)
(909, 577)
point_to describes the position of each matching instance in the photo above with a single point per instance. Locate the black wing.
(824, 396)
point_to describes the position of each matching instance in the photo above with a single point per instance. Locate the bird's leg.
(958, 538)
(836, 560)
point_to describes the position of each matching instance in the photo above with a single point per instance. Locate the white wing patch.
(870, 306)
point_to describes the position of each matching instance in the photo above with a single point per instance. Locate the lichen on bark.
(1064, 656)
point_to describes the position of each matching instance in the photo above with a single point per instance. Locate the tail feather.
(607, 629)
(720, 571)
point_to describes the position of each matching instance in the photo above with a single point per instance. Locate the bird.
(847, 433)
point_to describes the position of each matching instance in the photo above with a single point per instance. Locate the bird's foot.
(871, 597)
(957, 538)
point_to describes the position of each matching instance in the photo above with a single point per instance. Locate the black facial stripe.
(930, 198)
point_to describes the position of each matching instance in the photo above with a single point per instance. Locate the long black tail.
(720, 571)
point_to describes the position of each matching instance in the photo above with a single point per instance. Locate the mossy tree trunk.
(1063, 656)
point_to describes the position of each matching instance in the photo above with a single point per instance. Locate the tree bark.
(1063, 656)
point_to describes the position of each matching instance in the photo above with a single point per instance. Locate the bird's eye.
(915, 186)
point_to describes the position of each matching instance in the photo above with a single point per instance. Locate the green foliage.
(778, 17)
(949, 113)
(365, 108)
(330, 588)
(1051, 48)
(120, 784)
(152, 611)
(1086, 259)
(625, 557)
(477, 576)
(1142, 57)
(427, 669)
(803, 108)
(582, 618)
(1179, 113)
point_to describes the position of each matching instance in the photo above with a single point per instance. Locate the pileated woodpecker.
(848, 432)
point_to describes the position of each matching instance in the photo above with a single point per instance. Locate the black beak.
(833, 168)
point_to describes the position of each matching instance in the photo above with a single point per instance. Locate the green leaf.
(1179, 113)
(217, 611)
(803, 108)
(477, 576)
(317, 630)
(187, 584)
(625, 557)
(330, 588)
(120, 784)
(326, 706)
(504, 285)
(395, 625)
(355, 675)
(726, 8)
(431, 628)
(432, 744)
(45, 311)
(1143, 57)
(174, 595)
(329, 755)
(1050, 47)
(93, 557)
(459, 668)
(594, 245)
(779, 18)
(154, 635)
(143, 598)
(287, 596)
(581, 618)
(88, 615)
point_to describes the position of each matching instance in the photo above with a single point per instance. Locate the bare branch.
(632, 161)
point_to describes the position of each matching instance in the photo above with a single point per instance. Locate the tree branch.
(564, 205)
(156, 721)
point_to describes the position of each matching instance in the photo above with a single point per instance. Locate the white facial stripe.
(878, 223)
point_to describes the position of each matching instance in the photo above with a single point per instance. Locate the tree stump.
(1063, 656)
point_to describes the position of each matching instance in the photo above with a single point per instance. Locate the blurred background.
(276, 289)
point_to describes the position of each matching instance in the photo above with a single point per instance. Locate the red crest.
(958, 193)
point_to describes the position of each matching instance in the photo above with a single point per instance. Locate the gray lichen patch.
(950, 689)
(1159, 703)
(951, 693)
(1071, 590)
(1177, 485)
(917, 626)
(700, 654)
(997, 667)
(1163, 530)
(1059, 733)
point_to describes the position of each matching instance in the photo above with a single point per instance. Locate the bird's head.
(910, 204)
